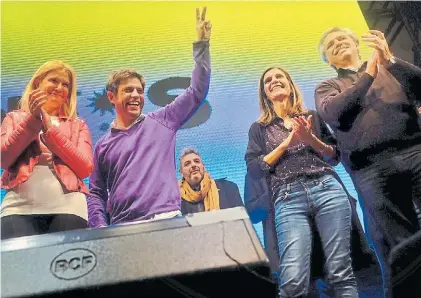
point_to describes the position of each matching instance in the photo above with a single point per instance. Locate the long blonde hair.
(69, 107)
(294, 108)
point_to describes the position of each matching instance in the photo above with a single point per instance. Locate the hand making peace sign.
(203, 26)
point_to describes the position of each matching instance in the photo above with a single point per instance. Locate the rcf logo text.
(73, 263)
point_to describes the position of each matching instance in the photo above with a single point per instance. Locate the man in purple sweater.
(134, 176)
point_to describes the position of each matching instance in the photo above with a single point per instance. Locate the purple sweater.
(134, 170)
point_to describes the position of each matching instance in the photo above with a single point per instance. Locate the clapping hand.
(302, 129)
(37, 99)
(377, 41)
(373, 65)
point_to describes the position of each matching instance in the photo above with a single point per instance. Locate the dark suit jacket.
(258, 202)
(229, 197)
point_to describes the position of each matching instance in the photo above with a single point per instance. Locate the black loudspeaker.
(405, 261)
(208, 254)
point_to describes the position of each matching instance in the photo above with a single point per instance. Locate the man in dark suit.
(199, 191)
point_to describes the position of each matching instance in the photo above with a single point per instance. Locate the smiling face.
(192, 169)
(56, 85)
(340, 49)
(129, 99)
(276, 85)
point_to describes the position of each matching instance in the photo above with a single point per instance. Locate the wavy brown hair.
(294, 108)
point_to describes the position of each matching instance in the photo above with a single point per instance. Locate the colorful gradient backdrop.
(156, 37)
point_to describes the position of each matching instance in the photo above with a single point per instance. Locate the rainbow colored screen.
(156, 39)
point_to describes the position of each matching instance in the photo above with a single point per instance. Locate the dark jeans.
(389, 190)
(26, 225)
(324, 200)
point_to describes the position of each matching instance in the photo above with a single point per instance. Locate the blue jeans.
(297, 204)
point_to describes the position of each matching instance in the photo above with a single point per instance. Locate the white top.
(43, 192)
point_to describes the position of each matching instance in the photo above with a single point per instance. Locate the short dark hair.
(115, 77)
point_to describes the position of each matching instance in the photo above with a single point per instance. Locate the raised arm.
(408, 75)
(338, 107)
(175, 114)
(411, 72)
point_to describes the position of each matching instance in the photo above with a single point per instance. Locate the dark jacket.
(258, 202)
(229, 197)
